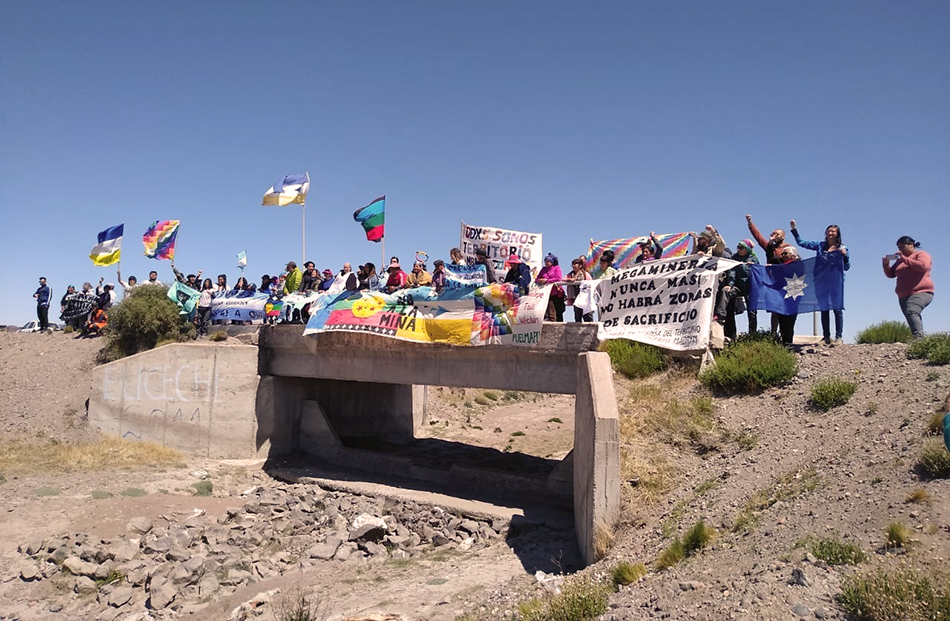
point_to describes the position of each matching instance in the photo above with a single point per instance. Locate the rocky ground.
(142, 544)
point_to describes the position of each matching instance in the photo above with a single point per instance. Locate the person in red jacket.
(915, 289)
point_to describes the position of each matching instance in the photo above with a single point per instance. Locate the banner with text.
(499, 243)
(239, 306)
(667, 303)
(490, 315)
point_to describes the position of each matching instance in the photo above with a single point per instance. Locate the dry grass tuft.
(919, 495)
(18, 457)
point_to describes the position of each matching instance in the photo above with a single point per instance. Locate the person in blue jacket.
(519, 274)
(43, 295)
(829, 252)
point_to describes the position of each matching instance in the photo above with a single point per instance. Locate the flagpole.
(303, 228)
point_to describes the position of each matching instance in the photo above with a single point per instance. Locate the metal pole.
(303, 232)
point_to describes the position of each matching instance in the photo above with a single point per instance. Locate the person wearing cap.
(397, 277)
(192, 280)
(481, 258)
(419, 277)
(709, 242)
(294, 278)
(126, 286)
(551, 273)
(327, 281)
(518, 274)
(105, 294)
(650, 250)
(735, 291)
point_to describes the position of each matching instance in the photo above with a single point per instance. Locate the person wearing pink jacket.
(915, 289)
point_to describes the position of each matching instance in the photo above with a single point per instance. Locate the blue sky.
(575, 120)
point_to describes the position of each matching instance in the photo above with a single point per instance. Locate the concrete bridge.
(356, 401)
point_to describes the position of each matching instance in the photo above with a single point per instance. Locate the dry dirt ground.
(846, 473)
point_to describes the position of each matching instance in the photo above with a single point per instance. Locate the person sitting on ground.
(519, 274)
(397, 277)
(551, 273)
(419, 277)
(369, 279)
(578, 273)
(294, 277)
(481, 258)
(126, 286)
(96, 324)
(828, 252)
(735, 291)
(456, 256)
(439, 277)
(605, 267)
(650, 250)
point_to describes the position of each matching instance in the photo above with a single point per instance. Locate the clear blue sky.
(575, 120)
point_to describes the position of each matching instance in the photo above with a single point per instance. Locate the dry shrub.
(581, 599)
(934, 460)
(627, 573)
(896, 595)
(108, 453)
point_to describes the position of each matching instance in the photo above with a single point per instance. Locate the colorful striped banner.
(160, 238)
(372, 218)
(627, 249)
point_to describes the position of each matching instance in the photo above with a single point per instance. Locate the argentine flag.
(293, 189)
(109, 248)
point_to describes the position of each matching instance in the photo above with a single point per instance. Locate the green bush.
(579, 600)
(218, 336)
(836, 552)
(203, 488)
(831, 392)
(634, 359)
(884, 332)
(145, 318)
(897, 535)
(934, 460)
(934, 347)
(750, 366)
(695, 539)
(901, 595)
(627, 573)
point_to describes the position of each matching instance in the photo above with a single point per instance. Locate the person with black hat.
(481, 258)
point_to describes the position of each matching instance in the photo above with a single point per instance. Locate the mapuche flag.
(372, 217)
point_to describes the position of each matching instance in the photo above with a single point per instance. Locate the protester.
(519, 274)
(105, 294)
(551, 273)
(96, 324)
(604, 268)
(327, 281)
(709, 242)
(650, 250)
(419, 277)
(265, 285)
(369, 279)
(240, 284)
(348, 279)
(397, 277)
(772, 246)
(191, 280)
(204, 307)
(439, 277)
(153, 279)
(126, 286)
(915, 289)
(456, 257)
(829, 253)
(481, 258)
(578, 273)
(786, 323)
(294, 277)
(311, 278)
(735, 291)
(43, 295)
(70, 290)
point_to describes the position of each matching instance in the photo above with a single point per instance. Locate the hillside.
(770, 473)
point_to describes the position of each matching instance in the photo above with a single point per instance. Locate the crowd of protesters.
(85, 310)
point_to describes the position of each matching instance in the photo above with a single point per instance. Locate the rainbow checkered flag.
(160, 239)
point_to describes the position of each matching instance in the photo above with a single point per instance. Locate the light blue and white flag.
(242, 259)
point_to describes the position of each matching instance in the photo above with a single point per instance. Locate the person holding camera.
(915, 289)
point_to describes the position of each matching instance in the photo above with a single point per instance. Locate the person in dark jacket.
(735, 291)
(650, 250)
(519, 274)
(481, 258)
(43, 295)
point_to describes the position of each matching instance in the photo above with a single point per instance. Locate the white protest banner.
(239, 306)
(465, 276)
(499, 243)
(667, 303)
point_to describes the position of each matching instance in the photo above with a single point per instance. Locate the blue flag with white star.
(798, 287)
